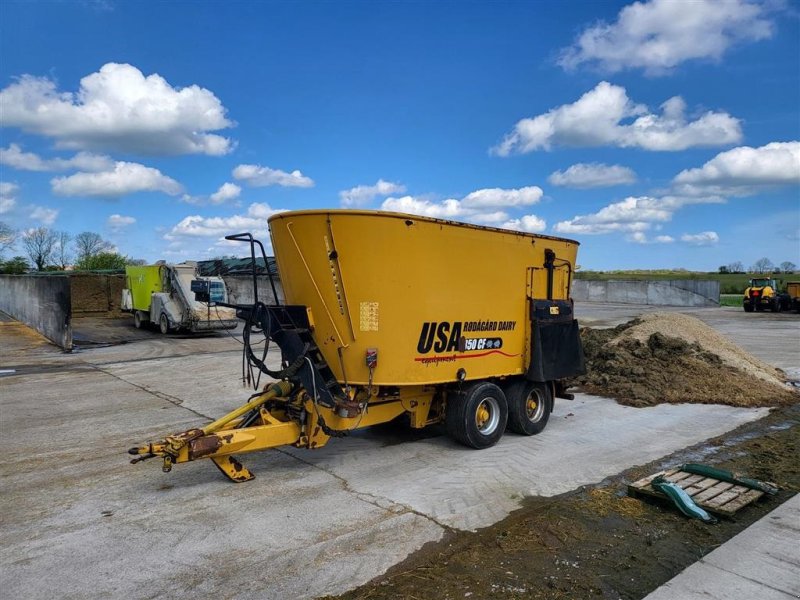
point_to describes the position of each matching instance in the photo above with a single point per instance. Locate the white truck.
(164, 294)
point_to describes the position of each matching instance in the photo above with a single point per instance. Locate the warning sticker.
(369, 316)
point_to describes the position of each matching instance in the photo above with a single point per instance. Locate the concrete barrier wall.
(240, 289)
(41, 302)
(684, 292)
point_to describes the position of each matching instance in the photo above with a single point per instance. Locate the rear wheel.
(477, 416)
(137, 319)
(748, 308)
(529, 406)
(163, 324)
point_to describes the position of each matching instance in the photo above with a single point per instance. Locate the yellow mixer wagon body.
(431, 296)
(389, 314)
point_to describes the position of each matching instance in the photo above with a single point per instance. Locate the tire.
(163, 324)
(477, 416)
(529, 406)
(748, 308)
(137, 319)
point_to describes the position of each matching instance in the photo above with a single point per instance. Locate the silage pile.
(675, 358)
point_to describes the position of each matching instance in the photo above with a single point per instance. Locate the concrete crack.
(160, 395)
(375, 500)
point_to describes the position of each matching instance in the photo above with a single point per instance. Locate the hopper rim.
(399, 215)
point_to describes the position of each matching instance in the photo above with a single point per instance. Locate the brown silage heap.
(675, 358)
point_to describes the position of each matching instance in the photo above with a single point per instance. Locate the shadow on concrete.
(97, 331)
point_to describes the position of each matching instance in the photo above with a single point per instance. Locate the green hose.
(681, 499)
(727, 476)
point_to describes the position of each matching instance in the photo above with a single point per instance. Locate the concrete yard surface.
(79, 521)
(761, 562)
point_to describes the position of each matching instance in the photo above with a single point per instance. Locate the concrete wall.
(96, 295)
(240, 289)
(41, 302)
(688, 292)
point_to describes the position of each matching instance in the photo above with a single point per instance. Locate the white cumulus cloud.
(659, 35)
(633, 214)
(502, 198)
(8, 196)
(8, 189)
(227, 191)
(118, 222)
(592, 175)
(15, 157)
(254, 221)
(125, 178)
(705, 238)
(481, 206)
(744, 171)
(46, 216)
(640, 237)
(361, 195)
(446, 209)
(119, 109)
(600, 118)
(529, 223)
(258, 176)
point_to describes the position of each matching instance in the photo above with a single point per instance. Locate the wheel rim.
(487, 416)
(164, 324)
(534, 406)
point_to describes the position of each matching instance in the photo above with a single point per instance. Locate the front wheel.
(163, 324)
(477, 416)
(529, 406)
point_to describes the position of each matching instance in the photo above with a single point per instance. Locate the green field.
(729, 283)
(730, 299)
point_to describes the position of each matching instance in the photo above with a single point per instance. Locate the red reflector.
(755, 293)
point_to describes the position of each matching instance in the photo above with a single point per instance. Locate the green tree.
(15, 266)
(102, 261)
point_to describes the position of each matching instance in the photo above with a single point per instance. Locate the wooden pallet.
(713, 495)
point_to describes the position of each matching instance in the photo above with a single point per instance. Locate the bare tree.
(61, 250)
(762, 265)
(39, 244)
(736, 267)
(8, 236)
(788, 266)
(89, 243)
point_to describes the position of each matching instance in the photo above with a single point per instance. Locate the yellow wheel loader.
(389, 314)
(763, 294)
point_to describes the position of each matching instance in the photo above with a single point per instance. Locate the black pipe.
(549, 260)
(248, 237)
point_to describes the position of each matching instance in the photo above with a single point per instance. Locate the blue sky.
(659, 134)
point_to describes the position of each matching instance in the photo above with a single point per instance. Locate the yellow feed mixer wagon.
(389, 314)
